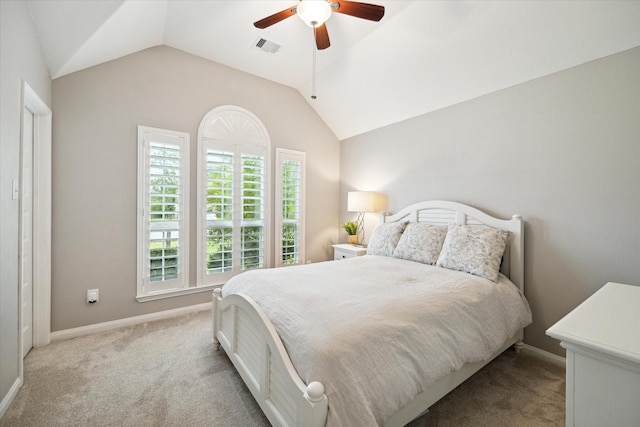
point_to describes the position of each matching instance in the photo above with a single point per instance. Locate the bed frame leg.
(517, 347)
(215, 297)
(315, 413)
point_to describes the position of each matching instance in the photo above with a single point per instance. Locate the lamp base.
(361, 226)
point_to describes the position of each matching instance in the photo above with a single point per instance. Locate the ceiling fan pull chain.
(313, 75)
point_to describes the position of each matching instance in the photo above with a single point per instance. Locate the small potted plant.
(351, 227)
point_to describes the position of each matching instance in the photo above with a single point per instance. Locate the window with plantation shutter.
(219, 212)
(233, 209)
(163, 211)
(253, 214)
(289, 230)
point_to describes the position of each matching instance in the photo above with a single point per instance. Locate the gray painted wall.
(22, 59)
(563, 151)
(96, 114)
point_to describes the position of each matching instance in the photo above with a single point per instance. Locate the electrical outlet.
(93, 296)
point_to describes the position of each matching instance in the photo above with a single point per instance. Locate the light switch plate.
(15, 189)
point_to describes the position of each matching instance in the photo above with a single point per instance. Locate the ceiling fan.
(316, 12)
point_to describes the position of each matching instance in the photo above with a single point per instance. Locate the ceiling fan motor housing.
(314, 12)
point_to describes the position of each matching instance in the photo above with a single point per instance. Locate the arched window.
(233, 195)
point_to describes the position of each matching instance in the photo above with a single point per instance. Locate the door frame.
(41, 239)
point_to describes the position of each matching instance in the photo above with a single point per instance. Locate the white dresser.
(342, 251)
(602, 339)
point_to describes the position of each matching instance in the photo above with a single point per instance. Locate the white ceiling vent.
(267, 46)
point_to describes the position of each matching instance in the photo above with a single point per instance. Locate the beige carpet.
(165, 373)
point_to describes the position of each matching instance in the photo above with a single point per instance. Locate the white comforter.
(377, 331)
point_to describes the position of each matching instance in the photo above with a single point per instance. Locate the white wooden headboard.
(443, 212)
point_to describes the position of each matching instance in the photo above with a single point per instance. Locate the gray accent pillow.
(421, 242)
(385, 238)
(475, 250)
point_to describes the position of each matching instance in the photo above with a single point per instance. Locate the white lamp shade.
(366, 201)
(314, 12)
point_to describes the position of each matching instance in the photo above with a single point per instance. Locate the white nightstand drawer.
(343, 251)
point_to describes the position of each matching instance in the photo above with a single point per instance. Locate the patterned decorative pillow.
(421, 242)
(475, 250)
(385, 238)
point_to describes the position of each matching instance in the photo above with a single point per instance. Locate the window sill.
(170, 294)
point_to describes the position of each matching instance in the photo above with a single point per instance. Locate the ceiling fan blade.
(322, 37)
(275, 18)
(372, 12)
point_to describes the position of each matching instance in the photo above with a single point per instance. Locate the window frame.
(283, 155)
(146, 289)
(236, 130)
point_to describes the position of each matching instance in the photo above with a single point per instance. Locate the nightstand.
(345, 250)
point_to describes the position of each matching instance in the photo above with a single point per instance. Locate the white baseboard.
(8, 398)
(545, 355)
(129, 321)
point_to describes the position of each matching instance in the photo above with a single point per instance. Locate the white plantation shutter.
(235, 210)
(219, 212)
(253, 216)
(290, 189)
(163, 210)
(164, 217)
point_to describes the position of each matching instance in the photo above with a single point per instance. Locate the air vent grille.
(268, 46)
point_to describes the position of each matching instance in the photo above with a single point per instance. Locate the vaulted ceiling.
(422, 56)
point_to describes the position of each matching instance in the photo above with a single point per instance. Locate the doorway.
(35, 223)
(26, 231)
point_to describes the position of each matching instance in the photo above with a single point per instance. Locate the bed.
(377, 339)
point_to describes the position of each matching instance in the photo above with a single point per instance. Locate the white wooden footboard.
(258, 354)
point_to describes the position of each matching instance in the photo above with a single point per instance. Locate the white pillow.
(475, 250)
(385, 238)
(421, 242)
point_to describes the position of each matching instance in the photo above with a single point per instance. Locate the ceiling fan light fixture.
(314, 12)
